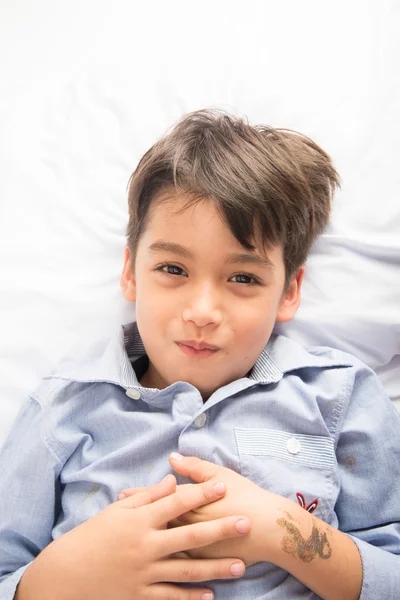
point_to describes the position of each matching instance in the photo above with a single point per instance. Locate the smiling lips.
(197, 349)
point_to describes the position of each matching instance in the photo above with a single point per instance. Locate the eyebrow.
(234, 258)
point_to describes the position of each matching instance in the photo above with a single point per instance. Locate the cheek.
(153, 310)
(255, 317)
(146, 295)
(254, 327)
(255, 336)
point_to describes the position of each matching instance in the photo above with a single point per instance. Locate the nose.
(203, 307)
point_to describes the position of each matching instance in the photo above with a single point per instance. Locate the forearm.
(42, 580)
(326, 560)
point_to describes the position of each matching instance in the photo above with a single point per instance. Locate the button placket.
(293, 445)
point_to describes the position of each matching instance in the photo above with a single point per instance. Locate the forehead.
(175, 211)
(188, 218)
(190, 226)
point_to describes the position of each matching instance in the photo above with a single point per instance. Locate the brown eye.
(243, 278)
(171, 269)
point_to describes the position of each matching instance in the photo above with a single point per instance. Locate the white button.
(132, 393)
(293, 446)
(200, 420)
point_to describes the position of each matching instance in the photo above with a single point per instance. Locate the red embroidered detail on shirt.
(302, 501)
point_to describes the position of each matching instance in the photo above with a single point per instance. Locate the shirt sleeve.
(368, 505)
(29, 496)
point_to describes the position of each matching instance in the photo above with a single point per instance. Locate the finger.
(185, 570)
(180, 555)
(179, 522)
(150, 494)
(198, 535)
(184, 499)
(187, 519)
(130, 492)
(164, 591)
(193, 467)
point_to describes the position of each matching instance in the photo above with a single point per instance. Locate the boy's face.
(194, 282)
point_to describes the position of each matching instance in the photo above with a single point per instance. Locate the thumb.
(138, 497)
(189, 466)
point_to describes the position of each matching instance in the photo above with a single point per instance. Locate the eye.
(246, 279)
(171, 269)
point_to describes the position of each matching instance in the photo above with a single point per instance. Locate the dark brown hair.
(275, 183)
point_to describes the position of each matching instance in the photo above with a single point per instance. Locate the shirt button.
(200, 420)
(132, 393)
(293, 446)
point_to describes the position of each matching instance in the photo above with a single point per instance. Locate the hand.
(126, 554)
(263, 508)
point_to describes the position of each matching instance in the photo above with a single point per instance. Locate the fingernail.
(121, 496)
(166, 477)
(237, 569)
(220, 487)
(176, 456)
(242, 526)
(207, 596)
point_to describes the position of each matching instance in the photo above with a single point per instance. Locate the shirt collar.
(281, 355)
(109, 362)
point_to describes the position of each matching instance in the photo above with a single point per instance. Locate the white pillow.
(351, 300)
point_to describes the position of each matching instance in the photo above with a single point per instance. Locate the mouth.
(196, 349)
(198, 345)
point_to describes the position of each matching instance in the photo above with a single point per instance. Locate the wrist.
(42, 580)
(270, 531)
(325, 559)
(299, 538)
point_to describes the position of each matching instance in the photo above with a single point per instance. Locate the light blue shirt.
(314, 422)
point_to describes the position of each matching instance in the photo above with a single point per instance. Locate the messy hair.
(272, 183)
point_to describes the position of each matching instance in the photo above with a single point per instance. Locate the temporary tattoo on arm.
(306, 549)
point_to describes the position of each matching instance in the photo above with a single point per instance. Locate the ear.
(290, 300)
(128, 280)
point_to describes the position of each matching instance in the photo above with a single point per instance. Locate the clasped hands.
(261, 507)
(149, 544)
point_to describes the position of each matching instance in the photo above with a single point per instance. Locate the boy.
(295, 453)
